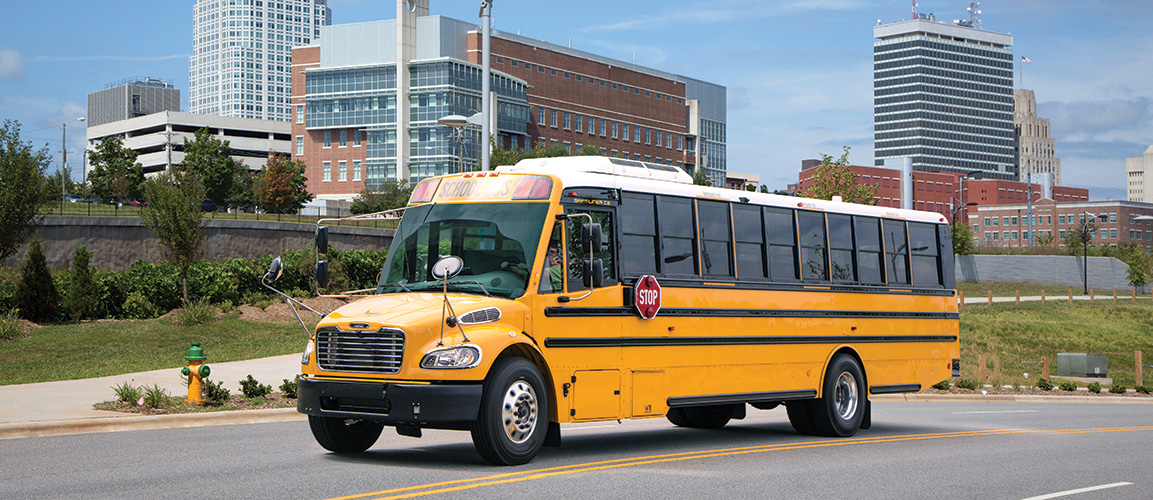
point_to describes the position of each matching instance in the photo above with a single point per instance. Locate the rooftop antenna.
(914, 2)
(974, 14)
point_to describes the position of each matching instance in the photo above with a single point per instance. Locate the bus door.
(580, 331)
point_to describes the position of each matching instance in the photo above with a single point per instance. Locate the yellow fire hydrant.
(196, 371)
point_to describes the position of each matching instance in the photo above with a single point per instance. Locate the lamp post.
(64, 160)
(460, 123)
(1085, 250)
(485, 75)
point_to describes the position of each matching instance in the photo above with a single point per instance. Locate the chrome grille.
(373, 352)
(486, 315)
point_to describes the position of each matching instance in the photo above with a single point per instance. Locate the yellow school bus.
(581, 289)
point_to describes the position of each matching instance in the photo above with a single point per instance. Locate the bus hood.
(412, 311)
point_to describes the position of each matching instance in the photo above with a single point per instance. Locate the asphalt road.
(914, 451)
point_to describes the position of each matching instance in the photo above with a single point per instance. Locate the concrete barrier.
(118, 242)
(1105, 273)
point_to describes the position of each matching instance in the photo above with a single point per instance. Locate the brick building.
(1008, 225)
(351, 129)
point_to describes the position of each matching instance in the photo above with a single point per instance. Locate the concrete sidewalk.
(54, 407)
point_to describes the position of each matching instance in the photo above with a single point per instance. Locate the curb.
(1007, 398)
(145, 422)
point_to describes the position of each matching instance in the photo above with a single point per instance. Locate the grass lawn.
(100, 348)
(1031, 289)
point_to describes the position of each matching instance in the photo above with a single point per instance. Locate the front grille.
(372, 352)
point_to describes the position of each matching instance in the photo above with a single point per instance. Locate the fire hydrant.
(196, 371)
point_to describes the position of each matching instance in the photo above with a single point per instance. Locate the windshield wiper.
(396, 284)
(477, 283)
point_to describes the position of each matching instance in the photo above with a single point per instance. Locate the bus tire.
(841, 409)
(709, 417)
(514, 410)
(340, 435)
(677, 417)
(801, 416)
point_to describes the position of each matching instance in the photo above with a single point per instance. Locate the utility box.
(1075, 364)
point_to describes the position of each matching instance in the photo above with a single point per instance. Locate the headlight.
(452, 358)
(307, 356)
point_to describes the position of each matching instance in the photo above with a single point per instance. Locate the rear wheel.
(514, 413)
(341, 435)
(841, 409)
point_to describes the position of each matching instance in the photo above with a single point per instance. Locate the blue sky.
(798, 73)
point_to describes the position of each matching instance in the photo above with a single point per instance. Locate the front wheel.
(514, 413)
(702, 417)
(340, 435)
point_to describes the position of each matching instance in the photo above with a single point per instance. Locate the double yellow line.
(515, 477)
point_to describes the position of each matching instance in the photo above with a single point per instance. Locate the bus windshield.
(497, 242)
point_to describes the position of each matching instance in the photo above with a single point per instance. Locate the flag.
(1026, 59)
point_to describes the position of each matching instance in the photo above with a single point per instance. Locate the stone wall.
(1105, 273)
(118, 242)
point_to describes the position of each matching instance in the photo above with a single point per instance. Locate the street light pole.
(486, 75)
(1085, 251)
(64, 161)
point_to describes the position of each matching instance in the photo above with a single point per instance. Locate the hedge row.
(147, 290)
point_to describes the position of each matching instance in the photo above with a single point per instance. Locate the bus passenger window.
(867, 232)
(678, 245)
(811, 227)
(841, 249)
(781, 234)
(750, 242)
(924, 249)
(896, 252)
(576, 254)
(716, 237)
(638, 234)
(552, 268)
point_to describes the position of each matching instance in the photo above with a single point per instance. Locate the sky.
(798, 73)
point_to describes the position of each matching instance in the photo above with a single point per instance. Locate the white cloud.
(11, 65)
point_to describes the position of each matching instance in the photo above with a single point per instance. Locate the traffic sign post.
(647, 296)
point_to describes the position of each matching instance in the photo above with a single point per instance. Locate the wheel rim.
(845, 396)
(519, 411)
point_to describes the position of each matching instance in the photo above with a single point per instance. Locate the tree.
(211, 158)
(701, 178)
(36, 294)
(82, 299)
(281, 186)
(23, 189)
(387, 196)
(589, 150)
(243, 193)
(1076, 240)
(835, 178)
(173, 213)
(962, 236)
(115, 172)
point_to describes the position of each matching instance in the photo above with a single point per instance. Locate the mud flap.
(868, 420)
(552, 437)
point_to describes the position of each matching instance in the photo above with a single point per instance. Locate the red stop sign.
(647, 296)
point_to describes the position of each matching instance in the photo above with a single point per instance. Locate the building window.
(356, 170)
(327, 138)
(343, 172)
(669, 140)
(659, 141)
(552, 118)
(567, 117)
(356, 138)
(300, 114)
(604, 126)
(326, 171)
(648, 135)
(615, 130)
(299, 145)
(540, 116)
(343, 138)
(592, 126)
(625, 132)
(579, 122)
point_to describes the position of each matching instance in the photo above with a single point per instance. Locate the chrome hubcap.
(519, 411)
(845, 396)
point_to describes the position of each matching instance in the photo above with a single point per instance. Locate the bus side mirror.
(322, 239)
(591, 237)
(322, 274)
(274, 270)
(594, 271)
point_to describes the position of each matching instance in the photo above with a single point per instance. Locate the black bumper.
(430, 406)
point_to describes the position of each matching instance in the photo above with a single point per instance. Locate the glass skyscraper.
(241, 60)
(943, 97)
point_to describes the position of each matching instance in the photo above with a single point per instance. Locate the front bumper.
(437, 406)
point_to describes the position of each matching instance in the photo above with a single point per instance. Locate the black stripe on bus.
(893, 389)
(757, 340)
(798, 286)
(748, 313)
(747, 397)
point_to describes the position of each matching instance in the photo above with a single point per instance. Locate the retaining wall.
(118, 242)
(1105, 273)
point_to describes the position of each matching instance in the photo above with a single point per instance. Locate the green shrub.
(1117, 389)
(289, 387)
(253, 389)
(196, 312)
(225, 306)
(1095, 388)
(967, 383)
(10, 326)
(82, 297)
(943, 385)
(127, 393)
(1143, 389)
(137, 306)
(215, 393)
(155, 396)
(1068, 386)
(37, 295)
(1044, 385)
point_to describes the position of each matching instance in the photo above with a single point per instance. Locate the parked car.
(208, 206)
(73, 198)
(95, 199)
(137, 202)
